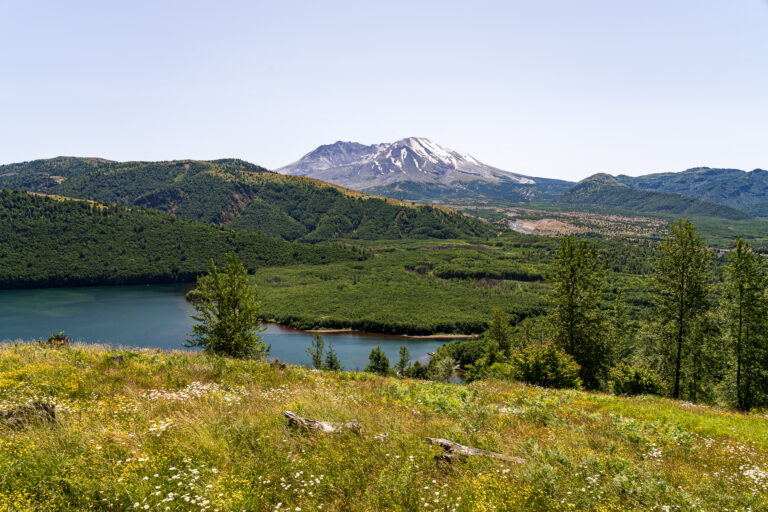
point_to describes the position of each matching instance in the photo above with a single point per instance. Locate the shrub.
(635, 380)
(544, 365)
(416, 371)
(441, 370)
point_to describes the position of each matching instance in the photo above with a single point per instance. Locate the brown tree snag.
(453, 451)
(324, 427)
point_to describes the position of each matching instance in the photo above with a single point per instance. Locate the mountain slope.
(417, 168)
(54, 241)
(606, 191)
(746, 191)
(241, 195)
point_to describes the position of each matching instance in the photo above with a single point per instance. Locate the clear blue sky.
(557, 88)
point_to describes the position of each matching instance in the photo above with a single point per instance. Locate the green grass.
(190, 431)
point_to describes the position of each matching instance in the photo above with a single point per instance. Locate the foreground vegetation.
(190, 431)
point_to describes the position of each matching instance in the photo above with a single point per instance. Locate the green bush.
(543, 365)
(635, 380)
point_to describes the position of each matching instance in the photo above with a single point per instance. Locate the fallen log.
(324, 427)
(453, 451)
(25, 414)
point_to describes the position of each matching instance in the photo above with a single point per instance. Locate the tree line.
(704, 338)
(692, 343)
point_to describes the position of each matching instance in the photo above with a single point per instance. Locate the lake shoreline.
(409, 336)
(378, 334)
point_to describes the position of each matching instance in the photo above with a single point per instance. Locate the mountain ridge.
(241, 195)
(606, 191)
(416, 168)
(744, 190)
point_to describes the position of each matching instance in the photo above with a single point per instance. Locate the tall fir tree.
(500, 331)
(332, 361)
(402, 362)
(681, 283)
(746, 287)
(316, 351)
(578, 324)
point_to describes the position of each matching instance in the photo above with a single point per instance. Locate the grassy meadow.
(189, 431)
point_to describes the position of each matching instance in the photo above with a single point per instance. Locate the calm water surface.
(158, 316)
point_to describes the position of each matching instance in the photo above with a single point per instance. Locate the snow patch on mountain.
(413, 159)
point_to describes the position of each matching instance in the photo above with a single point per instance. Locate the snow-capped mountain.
(411, 168)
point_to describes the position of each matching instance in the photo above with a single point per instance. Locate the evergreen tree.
(681, 281)
(402, 363)
(746, 284)
(332, 360)
(316, 350)
(501, 332)
(577, 321)
(227, 307)
(621, 329)
(378, 362)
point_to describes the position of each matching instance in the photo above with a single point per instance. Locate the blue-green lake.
(158, 316)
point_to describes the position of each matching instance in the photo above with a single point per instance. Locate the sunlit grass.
(187, 431)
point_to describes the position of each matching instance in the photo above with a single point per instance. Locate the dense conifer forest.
(47, 241)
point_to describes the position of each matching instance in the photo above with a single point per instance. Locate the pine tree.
(332, 360)
(316, 350)
(577, 321)
(681, 281)
(501, 332)
(402, 363)
(378, 362)
(746, 284)
(227, 309)
(621, 329)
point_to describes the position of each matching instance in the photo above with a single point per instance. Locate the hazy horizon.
(551, 89)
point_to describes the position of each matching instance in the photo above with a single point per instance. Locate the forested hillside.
(243, 196)
(605, 191)
(47, 241)
(746, 191)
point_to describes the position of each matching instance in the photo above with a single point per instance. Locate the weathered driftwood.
(25, 414)
(324, 427)
(453, 451)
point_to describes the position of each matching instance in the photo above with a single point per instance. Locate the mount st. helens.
(417, 168)
(240, 195)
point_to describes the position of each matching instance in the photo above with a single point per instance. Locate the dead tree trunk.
(324, 427)
(453, 451)
(30, 413)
